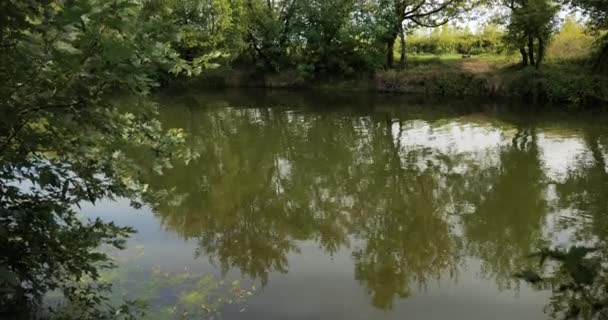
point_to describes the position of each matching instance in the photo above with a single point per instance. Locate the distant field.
(487, 62)
(474, 64)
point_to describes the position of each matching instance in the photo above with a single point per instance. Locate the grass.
(481, 64)
(475, 65)
(491, 63)
(560, 80)
(433, 58)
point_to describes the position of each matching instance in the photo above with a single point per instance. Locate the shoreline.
(577, 90)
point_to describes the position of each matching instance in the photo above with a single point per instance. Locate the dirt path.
(477, 66)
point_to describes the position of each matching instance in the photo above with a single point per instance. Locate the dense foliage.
(531, 25)
(449, 40)
(345, 37)
(597, 11)
(63, 142)
(573, 41)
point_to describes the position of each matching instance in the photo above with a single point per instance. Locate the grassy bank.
(565, 81)
(557, 82)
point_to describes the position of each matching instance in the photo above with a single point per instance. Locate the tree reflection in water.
(402, 189)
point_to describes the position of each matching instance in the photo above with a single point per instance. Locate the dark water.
(361, 207)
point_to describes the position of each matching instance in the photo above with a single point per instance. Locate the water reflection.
(412, 193)
(509, 208)
(584, 190)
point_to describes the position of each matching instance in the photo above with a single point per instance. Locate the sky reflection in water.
(368, 207)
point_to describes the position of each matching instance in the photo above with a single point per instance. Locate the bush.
(558, 85)
(447, 40)
(573, 41)
(428, 80)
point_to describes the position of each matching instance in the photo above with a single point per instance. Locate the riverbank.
(566, 82)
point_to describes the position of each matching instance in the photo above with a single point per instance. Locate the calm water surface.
(363, 207)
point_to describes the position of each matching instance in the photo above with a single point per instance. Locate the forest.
(76, 118)
(344, 37)
(386, 45)
(296, 43)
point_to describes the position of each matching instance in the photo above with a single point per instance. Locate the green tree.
(532, 23)
(573, 41)
(328, 43)
(597, 11)
(63, 141)
(398, 15)
(271, 33)
(204, 26)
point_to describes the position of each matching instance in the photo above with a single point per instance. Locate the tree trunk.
(390, 45)
(601, 63)
(402, 38)
(541, 52)
(390, 54)
(531, 50)
(524, 56)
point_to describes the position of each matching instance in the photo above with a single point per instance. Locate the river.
(360, 207)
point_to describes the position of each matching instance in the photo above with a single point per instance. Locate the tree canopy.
(63, 142)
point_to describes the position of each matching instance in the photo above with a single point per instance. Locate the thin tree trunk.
(390, 55)
(531, 50)
(524, 56)
(601, 63)
(541, 52)
(402, 38)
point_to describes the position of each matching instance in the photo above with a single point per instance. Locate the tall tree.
(597, 11)
(400, 14)
(204, 26)
(532, 23)
(270, 33)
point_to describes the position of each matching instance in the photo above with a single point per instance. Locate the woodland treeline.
(348, 36)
